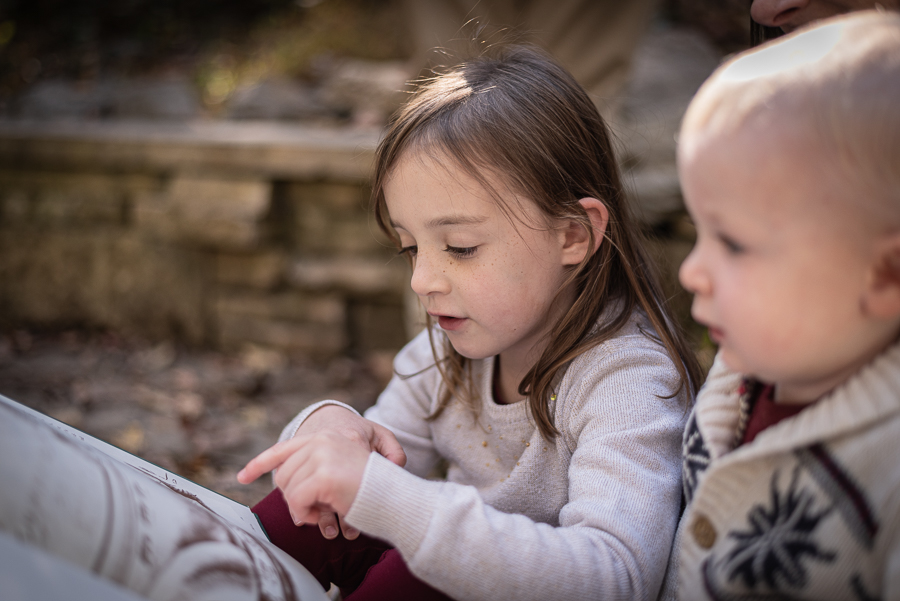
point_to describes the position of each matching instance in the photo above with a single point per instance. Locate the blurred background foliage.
(222, 44)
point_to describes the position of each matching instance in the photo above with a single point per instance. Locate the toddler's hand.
(317, 474)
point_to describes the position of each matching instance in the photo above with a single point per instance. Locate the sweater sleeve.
(615, 532)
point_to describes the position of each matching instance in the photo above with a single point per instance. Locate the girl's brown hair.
(517, 115)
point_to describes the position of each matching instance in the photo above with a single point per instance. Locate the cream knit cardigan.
(591, 515)
(809, 510)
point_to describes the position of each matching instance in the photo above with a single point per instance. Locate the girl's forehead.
(450, 191)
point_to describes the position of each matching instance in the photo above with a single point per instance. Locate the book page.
(131, 523)
(228, 509)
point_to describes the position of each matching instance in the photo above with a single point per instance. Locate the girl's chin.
(468, 351)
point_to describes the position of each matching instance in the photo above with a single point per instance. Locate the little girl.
(549, 380)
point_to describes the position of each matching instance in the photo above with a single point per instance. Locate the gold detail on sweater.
(527, 444)
(704, 532)
(484, 443)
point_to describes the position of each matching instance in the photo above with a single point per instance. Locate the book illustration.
(27, 572)
(132, 523)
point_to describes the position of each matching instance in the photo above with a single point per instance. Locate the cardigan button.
(704, 532)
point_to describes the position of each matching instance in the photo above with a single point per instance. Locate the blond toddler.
(790, 164)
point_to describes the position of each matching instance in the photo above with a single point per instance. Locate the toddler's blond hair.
(840, 79)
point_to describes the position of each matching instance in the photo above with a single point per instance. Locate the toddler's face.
(781, 260)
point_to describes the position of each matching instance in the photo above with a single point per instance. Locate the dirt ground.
(200, 414)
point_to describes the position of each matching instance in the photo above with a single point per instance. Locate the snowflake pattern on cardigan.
(773, 551)
(771, 557)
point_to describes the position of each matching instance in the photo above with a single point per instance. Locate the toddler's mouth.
(715, 334)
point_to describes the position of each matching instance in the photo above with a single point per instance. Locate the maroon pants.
(365, 569)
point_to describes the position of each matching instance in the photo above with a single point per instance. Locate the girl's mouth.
(449, 323)
(716, 335)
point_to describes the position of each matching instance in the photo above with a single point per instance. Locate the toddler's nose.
(693, 276)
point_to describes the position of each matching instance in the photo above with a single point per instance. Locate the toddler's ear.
(883, 293)
(577, 241)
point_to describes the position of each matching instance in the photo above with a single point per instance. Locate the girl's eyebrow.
(448, 220)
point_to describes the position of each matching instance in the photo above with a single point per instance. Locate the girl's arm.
(614, 533)
(402, 407)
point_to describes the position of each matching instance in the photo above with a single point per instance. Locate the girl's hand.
(366, 434)
(317, 474)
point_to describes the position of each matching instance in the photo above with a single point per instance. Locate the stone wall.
(216, 234)
(222, 234)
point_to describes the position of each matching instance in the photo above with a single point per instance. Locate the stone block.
(170, 98)
(668, 67)
(337, 198)
(289, 306)
(262, 270)
(319, 233)
(276, 99)
(268, 150)
(377, 324)
(15, 206)
(357, 275)
(669, 253)
(47, 199)
(329, 218)
(656, 192)
(293, 322)
(371, 90)
(218, 212)
(102, 278)
(310, 339)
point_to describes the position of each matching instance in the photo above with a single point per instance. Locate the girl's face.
(488, 282)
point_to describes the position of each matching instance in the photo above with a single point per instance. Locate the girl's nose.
(428, 277)
(693, 275)
(774, 13)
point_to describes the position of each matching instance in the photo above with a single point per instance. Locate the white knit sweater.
(810, 509)
(590, 516)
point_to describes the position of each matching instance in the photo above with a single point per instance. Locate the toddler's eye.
(408, 250)
(732, 246)
(461, 253)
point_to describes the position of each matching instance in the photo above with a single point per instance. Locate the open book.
(83, 517)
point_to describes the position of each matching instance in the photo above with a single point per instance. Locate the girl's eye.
(461, 253)
(409, 251)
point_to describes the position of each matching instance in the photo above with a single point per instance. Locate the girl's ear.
(882, 296)
(576, 244)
